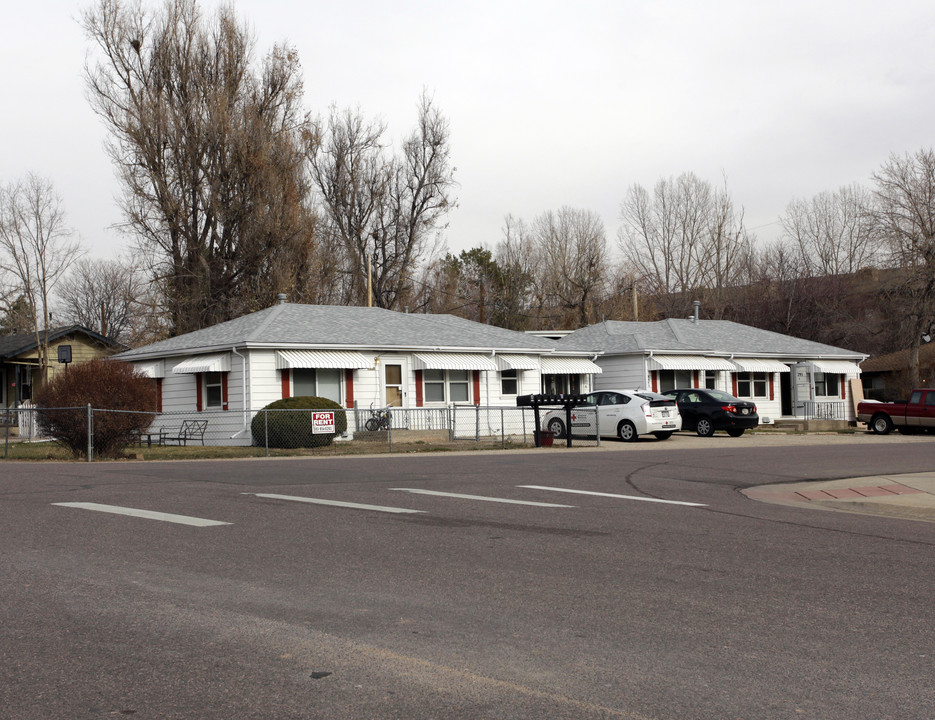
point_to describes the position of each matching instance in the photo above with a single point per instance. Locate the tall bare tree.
(385, 210)
(103, 295)
(904, 211)
(686, 237)
(574, 270)
(834, 232)
(209, 146)
(36, 249)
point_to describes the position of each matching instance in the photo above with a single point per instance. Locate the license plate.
(745, 411)
(664, 413)
(668, 425)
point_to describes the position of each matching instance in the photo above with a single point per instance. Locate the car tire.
(556, 427)
(736, 432)
(662, 435)
(881, 424)
(626, 431)
(704, 427)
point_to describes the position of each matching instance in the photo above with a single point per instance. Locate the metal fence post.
(502, 431)
(477, 423)
(266, 427)
(90, 433)
(389, 428)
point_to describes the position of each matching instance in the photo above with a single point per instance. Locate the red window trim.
(199, 378)
(224, 404)
(772, 391)
(477, 387)
(654, 379)
(286, 385)
(733, 378)
(158, 394)
(420, 397)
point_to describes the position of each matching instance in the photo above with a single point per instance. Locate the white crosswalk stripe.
(484, 498)
(612, 495)
(147, 514)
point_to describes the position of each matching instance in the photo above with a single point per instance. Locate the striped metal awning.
(152, 369)
(689, 362)
(339, 359)
(518, 362)
(760, 365)
(204, 363)
(836, 367)
(569, 366)
(454, 361)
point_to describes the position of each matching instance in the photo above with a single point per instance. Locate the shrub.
(111, 386)
(288, 423)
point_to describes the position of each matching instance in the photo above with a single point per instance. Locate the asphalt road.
(575, 606)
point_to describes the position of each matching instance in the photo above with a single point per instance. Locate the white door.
(395, 371)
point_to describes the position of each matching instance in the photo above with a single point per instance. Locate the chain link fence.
(93, 432)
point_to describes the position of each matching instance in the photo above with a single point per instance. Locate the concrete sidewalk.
(911, 497)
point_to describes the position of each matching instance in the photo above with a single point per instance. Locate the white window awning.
(836, 367)
(151, 369)
(340, 359)
(760, 365)
(204, 363)
(689, 362)
(454, 361)
(518, 362)
(569, 366)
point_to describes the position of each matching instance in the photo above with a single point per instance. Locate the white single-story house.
(359, 357)
(787, 377)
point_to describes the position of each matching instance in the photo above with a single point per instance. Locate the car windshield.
(722, 396)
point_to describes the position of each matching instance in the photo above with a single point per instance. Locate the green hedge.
(289, 423)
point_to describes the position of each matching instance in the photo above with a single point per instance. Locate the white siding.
(622, 372)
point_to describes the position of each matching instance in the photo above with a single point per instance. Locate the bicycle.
(378, 420)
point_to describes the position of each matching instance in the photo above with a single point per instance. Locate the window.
(317, 382)
(709, 380)
(752, 385)
(561, 384)
(826, 385)
(214, 391)
(447, 386)
(671, 379)
(509, 382)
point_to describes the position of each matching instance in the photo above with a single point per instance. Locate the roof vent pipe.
(697, 304)
(282, 298)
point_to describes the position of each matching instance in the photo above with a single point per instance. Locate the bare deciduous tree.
(36, 249)
(904, 212)
(384, 210)
(210, 151)
(834, 232)
(103, 295)
(685, 238)
(574, 268)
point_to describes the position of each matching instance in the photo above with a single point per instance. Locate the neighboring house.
(887, 377)
(357, 356)
(19, 359)
(787, 377)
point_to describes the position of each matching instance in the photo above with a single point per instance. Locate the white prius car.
(626, 414)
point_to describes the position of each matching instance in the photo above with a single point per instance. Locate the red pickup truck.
(909, 417)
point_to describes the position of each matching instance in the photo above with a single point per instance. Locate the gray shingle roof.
(716, 337)
(332, 326)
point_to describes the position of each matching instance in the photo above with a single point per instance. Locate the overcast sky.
(550, 103)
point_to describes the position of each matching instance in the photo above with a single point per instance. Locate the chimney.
(697, 304)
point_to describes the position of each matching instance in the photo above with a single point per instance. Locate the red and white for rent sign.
(323, 422)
